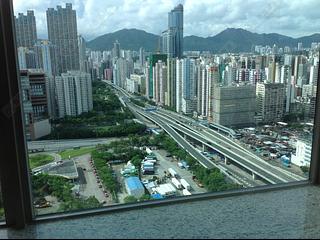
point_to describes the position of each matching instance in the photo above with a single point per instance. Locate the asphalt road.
(233, 152)
(60, 145)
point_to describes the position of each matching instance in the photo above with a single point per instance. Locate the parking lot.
(91, 188)
(164, 163)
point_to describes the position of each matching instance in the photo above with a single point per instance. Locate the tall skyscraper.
(189, 86)
(63, 33)
(314, 75)
(82, 53)
(47, 57)
(160, 82)
(171, 83)
(152, 62)
(116, 49)
(179, 77)
(26, 30)
(141, 57)
(172, 39)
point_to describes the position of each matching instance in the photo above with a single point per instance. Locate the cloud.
(202, 17)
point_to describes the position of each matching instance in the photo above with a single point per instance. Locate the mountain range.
(230, 40)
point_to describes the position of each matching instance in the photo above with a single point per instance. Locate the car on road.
(168, 155)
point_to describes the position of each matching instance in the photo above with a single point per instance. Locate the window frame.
(14, 173)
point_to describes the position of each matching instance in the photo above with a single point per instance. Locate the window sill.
(284, 213)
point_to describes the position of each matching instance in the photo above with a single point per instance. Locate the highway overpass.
(212, 140)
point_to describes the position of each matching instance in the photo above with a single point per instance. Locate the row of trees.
(212, 179)
(105, 172)
(132, 199)
(59, 187)
(94, 118)
(75, 131)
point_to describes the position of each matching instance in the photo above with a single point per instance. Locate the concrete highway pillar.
(254, 176)
(203, 148)
(185, 136)
(226, 161)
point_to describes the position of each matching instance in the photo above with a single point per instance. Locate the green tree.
(136, 161)
(145, 197)
(79, 204)
(130, 199)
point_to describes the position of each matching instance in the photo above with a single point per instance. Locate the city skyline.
(219, 109)
(201, 18)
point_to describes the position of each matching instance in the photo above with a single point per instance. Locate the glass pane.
(133, 116)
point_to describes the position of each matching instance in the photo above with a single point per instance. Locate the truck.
(176, 183)
(151, 157)
(172, 172)
(185, 184)
(147, 170)
(150, 161)
(185, 192)
(286, 161)
(148, 164)
(180, 165)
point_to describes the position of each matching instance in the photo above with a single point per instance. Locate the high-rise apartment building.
(74, 93)
(160, 82)
(82, 54)
(116, 50)
(26, 30)
(313, 79)
(47, 57)
(27, 58)
(213, 77)
(270, 99)
(141, 57)
(189, 86)
(63, 33)
(154, 58)
(35, 103)
(171, 83)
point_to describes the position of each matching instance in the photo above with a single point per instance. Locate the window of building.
(119, 123)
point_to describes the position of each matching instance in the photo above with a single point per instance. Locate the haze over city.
(202, 18)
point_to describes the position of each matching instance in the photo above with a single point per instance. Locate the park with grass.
(38, 160)
(72, 153)
(107, 119)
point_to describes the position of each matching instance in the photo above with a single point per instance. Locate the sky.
(202, 18)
